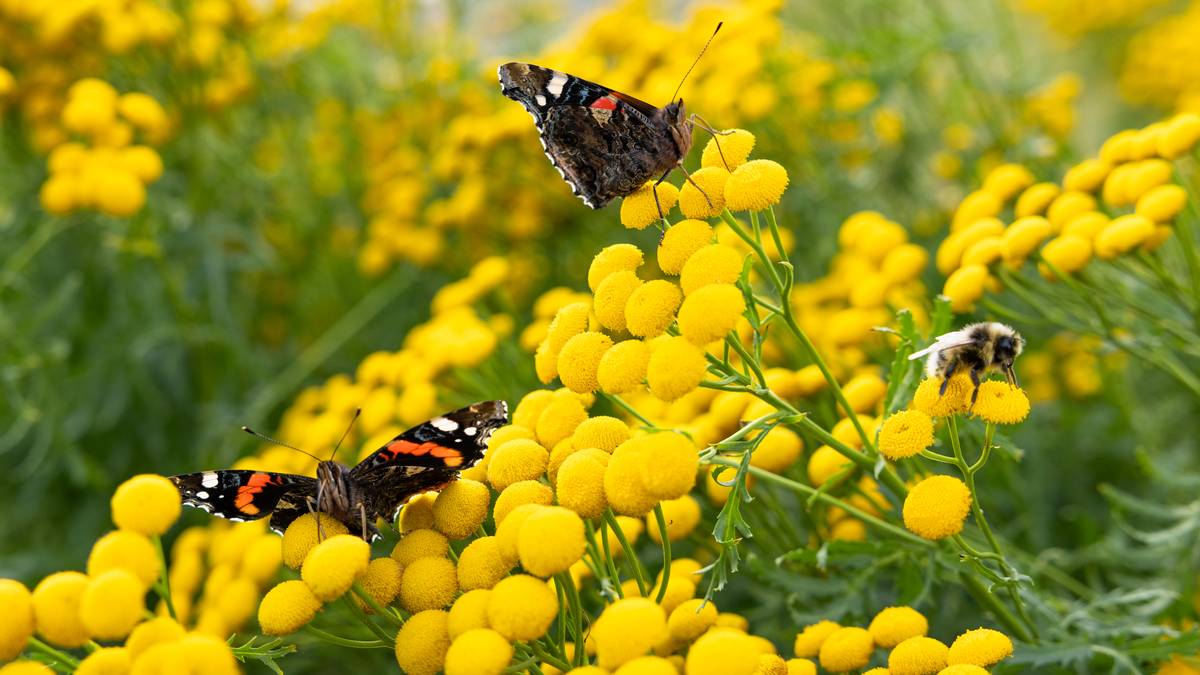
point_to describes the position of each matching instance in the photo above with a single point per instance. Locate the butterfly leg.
(703, 124)
(312, 508)
(362, 509)
(688, 176)
(661, 215)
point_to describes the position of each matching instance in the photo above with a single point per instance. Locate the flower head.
(521, 492)
(651, 308)
(937, 507)
(710, 312)
(550, 541)
(112, 604)
(461, 507)
(521, 607)
(333, 565)
(957, 399)
(428, 583)
(417, 514)
(303, 534)
(611, 259)
(579, 360)
(420, 544)
(703, 196)
(148, 504)
(627, 629)
(623, 367)
(691, 618)
(601, 432)
(970, 669)
(381, 581)
(106, 661)
(164, 629)
(517, 460)
(824, 463)
(479, 651)
(918, 656)
(1122, 235)
(559, 419)
(1007, 180)
(422, 643)
(711, 264)
(808, 641)
(755, 185)
(612, 295)
(723, 652)
(16, 606)
(641, 208)
(287, 608)
(1001, 403)
(682, 516)
(846, 649)
(980, 647)
(675, 368)
(124, 549)
(580, 482)
(468, 611)
(1035, 199)
(623, 486)
(481, 565)
(1161, 204)
(56, 602)
(905, 434)
(965, 286)
(894, 625)
(680, 242)
(728, 149)
(508, 531)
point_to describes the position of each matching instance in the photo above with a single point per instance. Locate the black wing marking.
(241, 495)
(453, 441)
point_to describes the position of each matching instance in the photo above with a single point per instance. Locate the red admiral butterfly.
(426, 457)
(605, 144)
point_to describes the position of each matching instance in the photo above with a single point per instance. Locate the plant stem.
(630, 555)
(374, 604)
(59, 656)
(346, 642)
(163, 586)
(666, 550)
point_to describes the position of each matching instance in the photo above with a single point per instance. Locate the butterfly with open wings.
(426, 457)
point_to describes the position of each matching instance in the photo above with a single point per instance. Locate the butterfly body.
(605, 144)
(426, 457)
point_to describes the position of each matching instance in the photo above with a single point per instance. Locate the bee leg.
(975, 381)
(946, 378)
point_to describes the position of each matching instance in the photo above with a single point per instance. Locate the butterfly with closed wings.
(426, 457)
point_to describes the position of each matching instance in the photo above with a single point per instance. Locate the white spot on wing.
(444, 424)
(541, 100)
(210, 479)
(470, 431)
(556, 84)
(202, 495)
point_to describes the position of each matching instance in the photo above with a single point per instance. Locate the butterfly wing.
(240, 495)
(603, 143)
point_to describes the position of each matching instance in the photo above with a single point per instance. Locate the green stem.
(608, 559)
(374, 604)
(1003, 614)
(366, 621)
(59, 656)
(620, 402)
(346, 642)
(163, 586)
(666, 551)
(630, 556)
(549, 658)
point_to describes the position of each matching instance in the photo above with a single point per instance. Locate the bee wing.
(943, 342)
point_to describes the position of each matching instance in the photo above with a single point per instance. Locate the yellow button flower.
(690, 619)
(984, 252)
(728, 149)
(568, 322)
(905, 433)
(1179, 135)
(468, 612)
(703, 196)
(807, 667)
(918, 656)
(428, 583)
(623, 486)
(611, 297)
(824, 463)
(651, 308)
(647, 665)
(1007, 180)
(755, 185)
(550, 541)
(846, 649)
(560, 418)
(723, 652)
(521, 492)
(904, 263)
(417, 514)
(381, 581)
(778, 451)
(302, 535)
(422, 643)
(56, 602)
(16, 606)
(481, 565)
(601, 432)
(623, 367)
(1035, 199)
(517, 460)
(675, 368)
(981, 647)
(682, 516)
(461, 507)
(285, 609)
(627, 629)
(1001, 403)
(579, 360)
(710, 312)
(420, 544)
(937, 507)
(580, 482)
(1068, 253)
(1122, 235)
(711, 264)
(26, 668)
(894, 625)
(610, 259)
(640, 209)
(333, 565)
(112, 604)
(106, 661)
(965, 286)
(1162, 203)
(950, 252)
(680, 242)
(148, 504)
(479, 651)
(808, 641)
(509, 530)
(976, 205)
(143, 162)
(969, 669)
(1087, 176)
(127, 550)
(164, 629)
(119, 193)
(521, 607)
(1023, 237)
(957, 398)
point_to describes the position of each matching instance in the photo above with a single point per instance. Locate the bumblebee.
(981, 348)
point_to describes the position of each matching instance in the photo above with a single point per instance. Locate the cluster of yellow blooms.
(1070, 364)
(1160, 64)
(1077, 17)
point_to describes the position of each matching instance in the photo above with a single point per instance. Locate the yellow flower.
(580, 482)
(984, 252)
(550, 541)
(428, 583)
(680, 242)
(640, 209)
(894, 625)
(559, 419)
(516, 460)
(824, 463)
(846, 649)
(690, 619)
(778, 451)
(807, 667)
(1068, 205)
(808, 641)
(957, 398)
(682, 516)
(1023, 237)
(950, 252)
(286, 608)
(468, 612)
(56, 602)
(904, 263)
(148, 504)
(627, 629)
(106, 661)
(461, 507)
(601, 432)
(981, 647)
(651, 308)
(1035, 199)
(623, 367)
(976, 205)
(143, 111)
(481, 565)
(302, 535)
(710, 312)
(479, 651)
(965, 286)
(508, 531)
(1123, 234)
(723, 652)
(646, 665)
(611, 297)
(417, 544)
(164, 629)
(26, 668)
(521, 607)
(333, 565)
(937, 507)
(728, 149)
(905, 434)
(623, 487)
(1001, 403)
(1179, 135)
(112, 604)
(1087, 176)
(119, 193)
(381, 581)
(711, 264)
(16, 606)
(1007, 180)
(755, 185)
(969, 669)
(521, 492)
(579, 360)
(1068, 253)
(610, 259)
(676, 367)
(1162, 203)
(917, 656)
(707, 200)
(417, 514)
(124, 549)
(422, 643)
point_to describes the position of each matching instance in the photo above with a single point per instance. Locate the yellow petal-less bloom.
(461, 507)
(508, 532)
(112, 604)
(723, 652)
(480, 565)
(1179, 135)
(807, 667)
(521, 492)
(647, 665)
(420, 544)
(1068, 253)
(521, 607)
(675, 368)
(755, 185)
(1035, 199)
(965, 286)
(623, 367)
(778, 451)
(846, 649)
(517, 460)
(1007, 180)
(904, 263)
(1122, 235)
(479, 651)
(422, 643)
(710, 312)
(905, 433)
(302, 535)
(682, 516)
(623, 487)
(894, 625)
(417, 514)
(626, 629)
(124, 549)
(381, 581)
(56, 609)
(918, 656)
(640, 209)
(957, 398)
(601, 432)
(864, 392)
(651, 308)
(550, 541)
(16, 606)
(611, 297)
(1068, 205)
(1024, 236)
(164, 629)
(287, 608)
(106, 661)
(333, 565)
(1086, 176)
(824, 463)
(580, 483)
(981, 647)
(727, 150)
(147, 503)
(1001, 403)
(680, 242)
(559, 419)
(808, 641)
(690, 619)
(579, 360)
(1086, 225)
(949, 254)
(26, 668)
(428, 583)
(984, 252)
(708, 199)
(1162, 203)
(937, 507)
(610, 259)
(468, 612)
(711, 264)
(670, 460)
(971, 669)
(978, 204)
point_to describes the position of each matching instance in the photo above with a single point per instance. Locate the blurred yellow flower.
(56, 601)
(1122, 235)
(287, 608)
(727, 150)
(894, 625)
(106, 661)
(965, 286)
(676, 367)
(1035, 198)
(124, 549)
(16, 605)
(640, 209)
(1068, 253)
(1161, 204)
(147, 503)
(112, 604)
(846, 649)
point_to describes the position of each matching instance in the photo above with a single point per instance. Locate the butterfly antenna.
(357, 412)
(702, 50)
(277, 442)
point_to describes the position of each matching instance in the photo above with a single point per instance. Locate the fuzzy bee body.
(980, 348)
